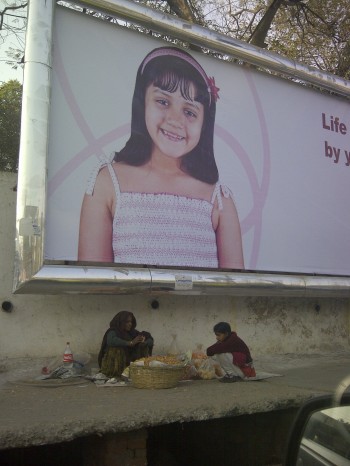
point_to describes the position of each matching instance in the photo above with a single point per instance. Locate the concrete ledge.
(35, 415)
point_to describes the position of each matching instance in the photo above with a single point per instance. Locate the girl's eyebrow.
(192, 103)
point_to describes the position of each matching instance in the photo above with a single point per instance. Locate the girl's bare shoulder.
(121, 170)
(103, 185)
(226, 207)
(103, 173)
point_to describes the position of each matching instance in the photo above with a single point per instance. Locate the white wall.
(40, 325)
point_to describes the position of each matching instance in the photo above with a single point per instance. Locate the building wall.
(40, 325)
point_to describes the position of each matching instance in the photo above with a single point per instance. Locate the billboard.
(266, 184)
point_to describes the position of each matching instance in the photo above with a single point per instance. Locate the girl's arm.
(96, 218)
(228, 237)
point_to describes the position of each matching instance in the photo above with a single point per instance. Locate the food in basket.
(156, 372)
(158, 361)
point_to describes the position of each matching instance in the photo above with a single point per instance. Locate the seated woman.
(122, 344)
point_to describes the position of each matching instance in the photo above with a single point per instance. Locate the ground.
(36, 414)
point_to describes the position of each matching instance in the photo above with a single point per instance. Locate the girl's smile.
(173, 123)
(172, 136)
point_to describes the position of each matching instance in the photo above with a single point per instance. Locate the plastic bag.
(52, 365)
(219, 371)
(81, 359)
(198, 356)
(206, 369)
(173, 349)
(198, 352)
(190, 372)
(63, 372)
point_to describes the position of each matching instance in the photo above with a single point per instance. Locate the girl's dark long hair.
(170, 73)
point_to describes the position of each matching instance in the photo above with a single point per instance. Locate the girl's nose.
(175, 117)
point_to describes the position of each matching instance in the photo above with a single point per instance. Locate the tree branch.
(259, 35)
(10, 8)
(182, 9)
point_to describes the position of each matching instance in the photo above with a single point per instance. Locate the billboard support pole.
(31, 195)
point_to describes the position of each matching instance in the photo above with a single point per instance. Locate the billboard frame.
(35, 275)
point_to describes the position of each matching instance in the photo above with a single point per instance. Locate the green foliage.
(315, 33)
(309, 31)
(12, 28)
(10, 121)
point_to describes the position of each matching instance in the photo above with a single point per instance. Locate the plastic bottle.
(68, 356)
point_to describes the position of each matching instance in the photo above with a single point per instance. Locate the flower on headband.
(214, 91)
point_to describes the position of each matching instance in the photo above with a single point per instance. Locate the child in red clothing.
(231, 353)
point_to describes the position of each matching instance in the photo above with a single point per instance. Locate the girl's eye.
(163, 102)
(190, 114)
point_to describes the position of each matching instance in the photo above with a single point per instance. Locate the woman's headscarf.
(117, 324)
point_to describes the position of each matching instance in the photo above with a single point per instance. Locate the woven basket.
(155, 377)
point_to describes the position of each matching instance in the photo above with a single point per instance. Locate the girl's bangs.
(171, 81)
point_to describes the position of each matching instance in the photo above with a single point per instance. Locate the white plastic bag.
(206, 369)
(173, 349)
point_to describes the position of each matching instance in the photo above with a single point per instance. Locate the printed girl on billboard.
(160, 201)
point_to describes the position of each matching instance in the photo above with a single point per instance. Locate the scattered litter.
(97, 378)
(63, 372)
(261, 376)
(60, 368)
(101, 380)
(114, 383)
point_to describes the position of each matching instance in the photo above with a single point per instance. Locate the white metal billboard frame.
(33, 274)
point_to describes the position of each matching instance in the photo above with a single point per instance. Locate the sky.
(8, 39)
(7, 73)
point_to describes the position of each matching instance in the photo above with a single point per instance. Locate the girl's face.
(173, 123)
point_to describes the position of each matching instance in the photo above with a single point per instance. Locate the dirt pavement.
(38, 414)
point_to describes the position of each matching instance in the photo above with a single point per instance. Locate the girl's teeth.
(172, 136)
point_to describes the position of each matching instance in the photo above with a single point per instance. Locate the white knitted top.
(163, 229)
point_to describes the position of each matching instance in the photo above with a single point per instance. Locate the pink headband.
(210, 82)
